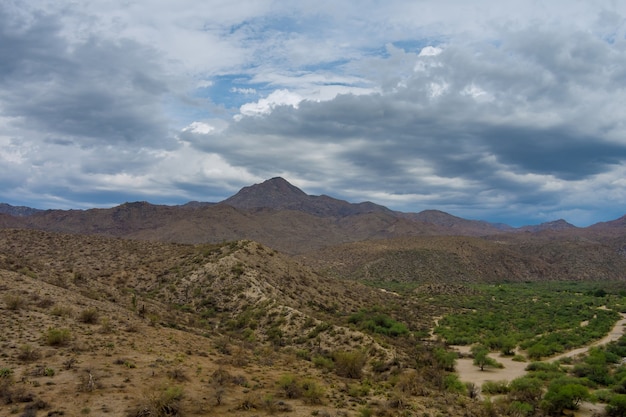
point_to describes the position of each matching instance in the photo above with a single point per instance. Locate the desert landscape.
(108, 312)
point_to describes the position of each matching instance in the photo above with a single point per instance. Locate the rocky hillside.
(95, 325)
(449, 259)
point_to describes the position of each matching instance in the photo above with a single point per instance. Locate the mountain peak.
(278, 194)
(275, 193)
(558, 225)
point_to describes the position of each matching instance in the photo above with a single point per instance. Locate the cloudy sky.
(506, 111)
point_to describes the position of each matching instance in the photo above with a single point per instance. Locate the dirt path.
(616, 332)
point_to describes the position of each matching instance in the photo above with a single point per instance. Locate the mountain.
(279, 194)
(460, 225)
(615, 227)
(17, 210)
(557, 225)
(283, 217)
(461, 259)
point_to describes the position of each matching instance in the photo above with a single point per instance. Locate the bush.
(349, 364)
(617, 406)
(312, 391)
(564, 392)
(14, 302)
(162, 403)
(410, 383)
(526, 389)
(289, 385)
(452, 383)
(521, 409)
(495, 387)
(307, 389)
(89, 316)
(323, 362)
(61, 311)
(28, 353)
(57, 337)
(377, 322)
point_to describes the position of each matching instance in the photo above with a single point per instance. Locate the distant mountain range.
(275, 213)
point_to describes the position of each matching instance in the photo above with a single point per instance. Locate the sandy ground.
(468, 372)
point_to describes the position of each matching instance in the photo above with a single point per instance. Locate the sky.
(504, 111)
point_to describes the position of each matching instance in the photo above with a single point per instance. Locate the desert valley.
(275, 302)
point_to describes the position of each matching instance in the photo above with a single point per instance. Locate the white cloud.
(430, 51)
(246, 91)
(266, 105)
(199, 127)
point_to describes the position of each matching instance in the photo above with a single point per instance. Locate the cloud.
(523, 117)
(266, 105)
(509, 112)
(91, 92)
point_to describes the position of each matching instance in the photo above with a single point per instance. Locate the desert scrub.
(89, 316)
(57, 337)
(14, 302)
(323, 363)
(28, 353)
(377, 322)
(290, 386)
(164, 402)
(61, 311)
(349, 364)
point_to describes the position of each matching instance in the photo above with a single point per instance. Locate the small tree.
(349, 364)
(564, 393)
(482, 358)
(617, 406)
(445, 359)
(526, 389)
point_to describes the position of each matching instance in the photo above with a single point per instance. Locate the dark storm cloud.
(89, 91)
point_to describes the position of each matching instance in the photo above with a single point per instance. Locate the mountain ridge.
(279, 194)
(279, 215)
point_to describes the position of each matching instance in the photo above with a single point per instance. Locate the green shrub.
(366, 412)
(57, 337)
(521, 409)
(349, 364)
(377, 322)
(564, 393)
(323, 362)
(617, 406)
(288, 383)
(495, 387)
(452, 383)
(312, 391)
(526, 389)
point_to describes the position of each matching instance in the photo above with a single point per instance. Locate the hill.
(96, 325)
(455, 259)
